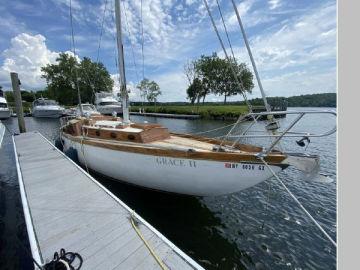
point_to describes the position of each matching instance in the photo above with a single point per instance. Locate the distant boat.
(106, 103)
(87, 109)
(47, 108)
(5, 112)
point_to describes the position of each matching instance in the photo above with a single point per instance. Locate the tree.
(63, 77)
(216, 76)
(194, 91)
(149, 89)
(143, 87)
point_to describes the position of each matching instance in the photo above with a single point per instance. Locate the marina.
(88, 184)
(233, 223)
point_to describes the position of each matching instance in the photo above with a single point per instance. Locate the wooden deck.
(65, 207)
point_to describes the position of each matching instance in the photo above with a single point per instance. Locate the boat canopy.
(44, 102)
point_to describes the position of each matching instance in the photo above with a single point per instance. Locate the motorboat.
(86, 109)
(47, 108)
(5, 111)
(107, 104)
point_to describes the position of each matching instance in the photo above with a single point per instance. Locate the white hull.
(109, 109)
(5, 114)
(47, 113)
(177, 175)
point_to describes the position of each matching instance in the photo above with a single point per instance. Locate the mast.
(121, 64)
(251, 57)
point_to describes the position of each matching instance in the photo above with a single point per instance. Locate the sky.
(293, 42)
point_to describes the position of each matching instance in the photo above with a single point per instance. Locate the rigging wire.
(299, 203)
(131, 43)
(225, 28)
(74, 52)
(238, 80)
(98, 51)
(101, 31)
(91, 82)
(127, 28)
(142, 52)
(142, 39)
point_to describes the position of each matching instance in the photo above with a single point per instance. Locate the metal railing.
(65, 119)
(278, 135)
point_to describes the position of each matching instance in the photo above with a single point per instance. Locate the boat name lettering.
(175, 162)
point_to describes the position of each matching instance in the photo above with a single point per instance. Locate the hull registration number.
(250, 167)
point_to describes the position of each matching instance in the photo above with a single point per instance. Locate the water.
(259, 228)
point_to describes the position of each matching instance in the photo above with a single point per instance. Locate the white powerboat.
(87, 109)
(106, 103)
(5, 112)
(47, 108)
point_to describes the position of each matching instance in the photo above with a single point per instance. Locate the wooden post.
(18, 101)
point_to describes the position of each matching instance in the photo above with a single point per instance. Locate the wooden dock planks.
(69, 209)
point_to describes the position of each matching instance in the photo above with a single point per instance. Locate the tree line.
(68, 75)
(214, 75)
(310, 100)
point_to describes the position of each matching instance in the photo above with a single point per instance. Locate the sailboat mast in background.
(121, 64)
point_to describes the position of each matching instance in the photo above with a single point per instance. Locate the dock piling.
(18, 101)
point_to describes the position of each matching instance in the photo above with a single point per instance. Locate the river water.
(258, 228)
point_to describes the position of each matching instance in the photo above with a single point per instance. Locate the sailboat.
(150, 156)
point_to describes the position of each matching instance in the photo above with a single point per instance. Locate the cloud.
(291, 42)
(172, 85)
(303, 46)
(289, 62)
(134, 94)
(306, 39)
(273, 4)
(26, 55)
(301, 82)
(250, 16)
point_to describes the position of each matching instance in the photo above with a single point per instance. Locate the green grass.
(26, 106)
(205, 111)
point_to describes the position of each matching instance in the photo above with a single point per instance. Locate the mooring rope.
(82, 148)
(156, 257)
(299, 203)
(211, 130)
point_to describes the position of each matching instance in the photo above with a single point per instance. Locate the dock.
(65, 207)
(168, 115)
